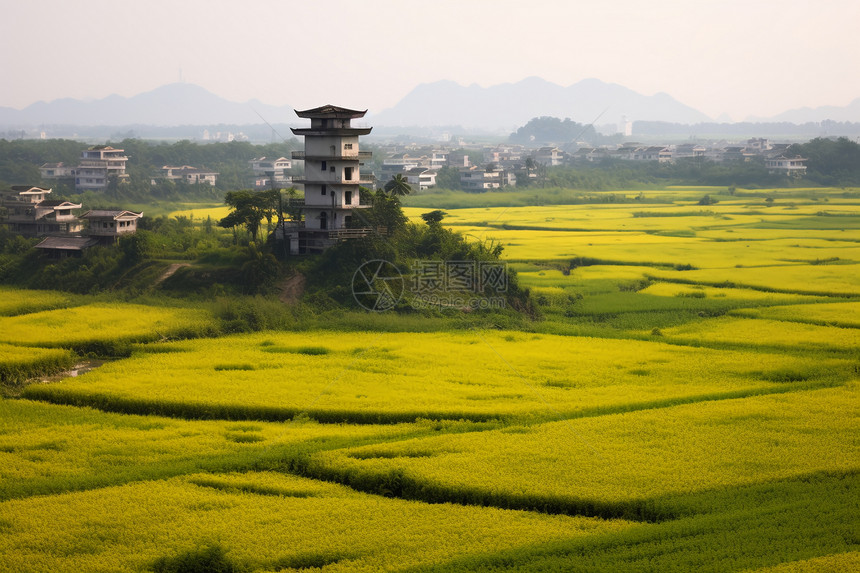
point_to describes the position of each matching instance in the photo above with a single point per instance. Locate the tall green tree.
(398, 186)
(249, 210)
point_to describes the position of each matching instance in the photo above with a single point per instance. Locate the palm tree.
(398, 186)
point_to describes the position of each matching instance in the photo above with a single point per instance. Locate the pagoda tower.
(332, 174)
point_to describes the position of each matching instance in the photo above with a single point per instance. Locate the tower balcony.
(364, 179)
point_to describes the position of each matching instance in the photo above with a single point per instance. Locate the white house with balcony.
(791, 166)
(108, 225)
(97, 166)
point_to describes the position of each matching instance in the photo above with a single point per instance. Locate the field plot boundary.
(237, 412)
(397, 483)
(762, 542)
(732, 284)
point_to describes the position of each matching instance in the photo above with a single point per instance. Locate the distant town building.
(549, 156)
(459, 159)
(476, 179)
(421, 178)
(398, 164)
(688, 150)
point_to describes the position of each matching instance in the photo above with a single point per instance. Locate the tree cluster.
(553, 131)
(830, 162)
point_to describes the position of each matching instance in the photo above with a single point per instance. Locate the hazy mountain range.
(443, 103)
(173, 104)
(511, 105)
(850, 112)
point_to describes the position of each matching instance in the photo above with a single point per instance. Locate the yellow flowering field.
(827, 280)
(19, 301)
(18, 363)
(734, 294)
(109, 322)
(837, 563)
(46, 448)
(581, 277)
(391, 377)
(200, 213)
(765, 333)
(263, 522)
(739, 231)
(843, 314)
(621, 464)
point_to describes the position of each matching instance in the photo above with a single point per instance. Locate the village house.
(687, 150)
(29, 213)
(26, 211)
(549, 156)
(108, 225)
(459, 159)
(98, 166)
(271, 173)
(477, 179)
(187, 174)
(398, 164)
(64, 246)
(421, 178)
(791, 166)
(56, 171)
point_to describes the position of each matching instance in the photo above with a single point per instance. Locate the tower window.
(323, 190)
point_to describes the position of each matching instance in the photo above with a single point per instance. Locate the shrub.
(207, 559)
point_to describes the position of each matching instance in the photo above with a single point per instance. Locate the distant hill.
(173, 104)
(499, 109)
(850, 112)
(507, 106)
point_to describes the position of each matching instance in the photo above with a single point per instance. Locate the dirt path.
(169, 272)
(292, 289)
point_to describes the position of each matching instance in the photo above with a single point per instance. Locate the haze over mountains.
(443, 103)
(511, 105)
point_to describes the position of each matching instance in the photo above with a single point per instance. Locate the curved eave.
(325, 132)
(330, 112)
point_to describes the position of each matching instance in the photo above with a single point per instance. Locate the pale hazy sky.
(740, 57)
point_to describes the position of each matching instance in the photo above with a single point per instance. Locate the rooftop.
(111, 214)
(67, 243)
(329, 111)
